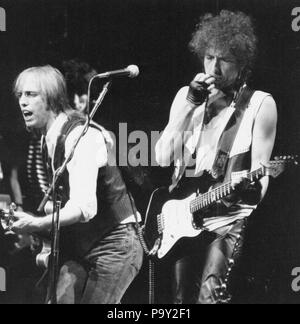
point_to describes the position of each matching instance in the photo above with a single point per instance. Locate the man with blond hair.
(100, 251)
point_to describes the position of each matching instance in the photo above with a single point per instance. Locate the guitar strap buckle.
(220, 165)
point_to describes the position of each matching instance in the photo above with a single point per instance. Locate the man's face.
(33, 105)
(223, 67)
(80, 102)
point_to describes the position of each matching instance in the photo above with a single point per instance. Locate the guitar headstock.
(7, 217)
(279, 164)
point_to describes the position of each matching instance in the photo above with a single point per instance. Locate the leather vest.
(114, 204)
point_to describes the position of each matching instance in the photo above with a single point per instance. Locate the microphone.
(131, 71)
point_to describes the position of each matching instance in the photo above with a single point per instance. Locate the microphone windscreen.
(133, 71)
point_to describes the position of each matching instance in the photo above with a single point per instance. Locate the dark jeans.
(202, 275)
(106, 272)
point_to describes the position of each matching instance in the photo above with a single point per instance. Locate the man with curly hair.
(78, 74)
(201, 119)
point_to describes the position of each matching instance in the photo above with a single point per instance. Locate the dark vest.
(114, 204)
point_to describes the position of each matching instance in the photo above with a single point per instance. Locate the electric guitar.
(7, 219)
(172, 216)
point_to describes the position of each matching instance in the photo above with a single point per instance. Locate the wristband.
(197, 93)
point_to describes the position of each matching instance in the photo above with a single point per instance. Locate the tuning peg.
(13, 206)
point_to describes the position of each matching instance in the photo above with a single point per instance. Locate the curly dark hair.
(77, 74)
(229, 32)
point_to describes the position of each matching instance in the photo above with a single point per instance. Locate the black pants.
(202, 275)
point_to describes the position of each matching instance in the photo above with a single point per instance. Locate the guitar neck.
(225, 189)
(4, 214)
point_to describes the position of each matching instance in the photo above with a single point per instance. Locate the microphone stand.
(54, 258)
(55, 232)
(62, 169)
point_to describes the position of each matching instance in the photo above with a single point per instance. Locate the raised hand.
(202, 87)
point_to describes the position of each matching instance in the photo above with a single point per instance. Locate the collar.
(54, 132)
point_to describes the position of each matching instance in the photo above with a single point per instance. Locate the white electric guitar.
(172, 216)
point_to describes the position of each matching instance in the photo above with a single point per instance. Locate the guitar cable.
(151, 264)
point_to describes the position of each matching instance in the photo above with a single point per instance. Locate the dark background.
(154, 34)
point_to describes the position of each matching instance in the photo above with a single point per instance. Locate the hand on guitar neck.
(243, 189)
(22, 225)
(19, 222)
(246, 190)
(21, 240)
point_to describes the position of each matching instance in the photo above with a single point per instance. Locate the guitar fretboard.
(211, 196)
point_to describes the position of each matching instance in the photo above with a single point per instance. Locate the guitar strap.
(226, 140)
(229, 134)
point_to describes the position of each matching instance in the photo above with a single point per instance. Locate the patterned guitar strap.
(229, 134)
(225, 143)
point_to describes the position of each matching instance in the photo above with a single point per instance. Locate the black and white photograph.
(149, 154)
